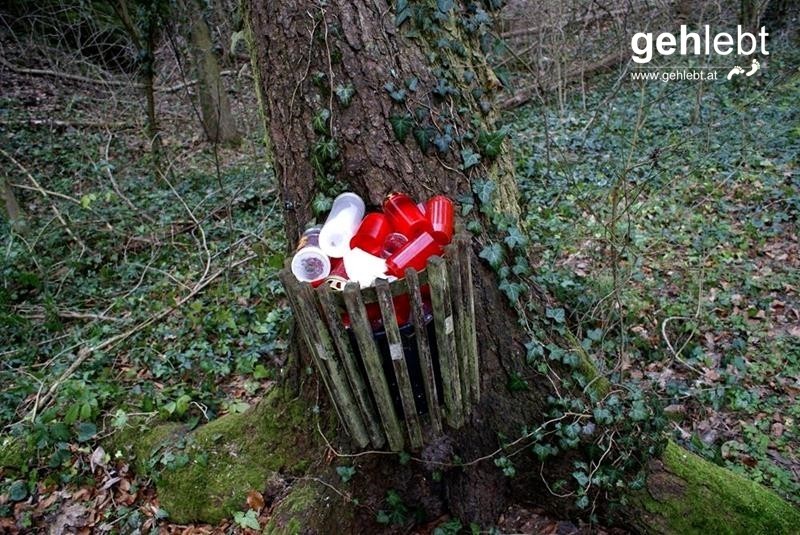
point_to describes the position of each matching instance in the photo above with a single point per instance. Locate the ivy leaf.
(484, 189)
(346, 473)
(345, 94)
(534, 351)
(442, 142)
(581, 477)
(444, 5)
(511, 289)
(516, 383)
(638, 411)
(515, 237)
(493, 253)
(261, 372)
(398, 95)
(412, 83)
(247, 520)
(582, 502)
(18, 491)
(423, 137)
(555, 314)
(602, 415)
(595, 334)
(86, 430)
(469, 158)
(403, 12)
(321, 203)
(381, 517)
(120, 419)
(320, 121)
(491, 143)
(401, 126)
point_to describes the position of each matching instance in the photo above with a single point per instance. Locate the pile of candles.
(353, 247)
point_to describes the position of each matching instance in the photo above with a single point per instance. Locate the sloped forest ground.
(664, 216)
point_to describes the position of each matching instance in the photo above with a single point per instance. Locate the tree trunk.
(340, 84)
(215, 108)
(15, 215)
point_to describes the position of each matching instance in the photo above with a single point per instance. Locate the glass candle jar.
(309, 262)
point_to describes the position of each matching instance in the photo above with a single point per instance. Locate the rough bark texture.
(12, 210)
(215, 107)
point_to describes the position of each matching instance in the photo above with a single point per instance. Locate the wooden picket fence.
(353, 373)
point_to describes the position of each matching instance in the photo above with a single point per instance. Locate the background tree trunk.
(215, 108)
(307, 57)
(12, 209)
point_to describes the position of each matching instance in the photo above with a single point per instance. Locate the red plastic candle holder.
(404, 215)
(414, 254)
(439, 211)
(371, 234)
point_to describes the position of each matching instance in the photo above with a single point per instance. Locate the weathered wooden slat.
(424, 350)
(368, 295)
(332, 315)
(338, 377)
(301, 316)
(445, 340)
(456, 297)
(399, 363)
(462, 241)
(372, 362)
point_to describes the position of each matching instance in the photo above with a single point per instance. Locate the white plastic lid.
(310, 264)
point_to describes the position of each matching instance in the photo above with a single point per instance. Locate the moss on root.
(687, 494)
(227, 458)
(309, 507)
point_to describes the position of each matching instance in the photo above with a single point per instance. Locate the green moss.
(695, 496)
(14, 452)
(309, 507)
(233, 455)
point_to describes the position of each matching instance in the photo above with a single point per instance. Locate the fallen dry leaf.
(255, 500)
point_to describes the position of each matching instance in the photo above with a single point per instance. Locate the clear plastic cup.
(341, 225)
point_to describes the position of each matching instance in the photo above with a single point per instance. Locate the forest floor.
(665, 217)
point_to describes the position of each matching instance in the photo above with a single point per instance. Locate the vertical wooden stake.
(424, 350)
(445, 340)
(456, 297)
(468, 290)
(338, 381)
(333, 316)
(301, 316)
(399, 364)
(372, 362)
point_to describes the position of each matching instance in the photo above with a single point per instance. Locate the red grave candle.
(371, 234)
(439, 211)
(414, 254)
(404, 216)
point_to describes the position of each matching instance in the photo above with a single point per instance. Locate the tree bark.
(305, 51)
(218, 123)
(12, 209)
